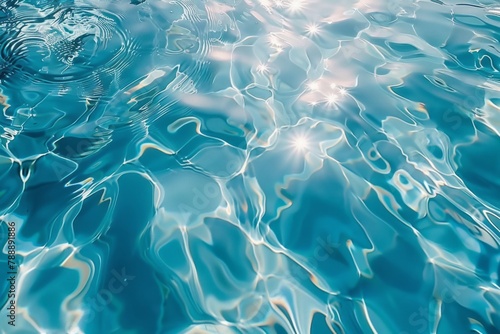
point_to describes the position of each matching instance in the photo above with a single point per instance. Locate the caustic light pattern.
(250, 166)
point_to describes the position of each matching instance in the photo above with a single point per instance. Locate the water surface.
(272, 166)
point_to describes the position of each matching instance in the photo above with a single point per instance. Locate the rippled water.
(272, 166)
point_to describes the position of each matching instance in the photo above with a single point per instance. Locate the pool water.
(251, 166)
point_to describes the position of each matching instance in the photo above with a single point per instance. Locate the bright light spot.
(313, 86)
(333, 86)
(300, 143)
(312, 29)
(279, 3)
(274, 40)
(295, 6)
(331, 100)
(342, 91)
(262, 68)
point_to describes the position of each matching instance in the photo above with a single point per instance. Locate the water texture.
(272, 166)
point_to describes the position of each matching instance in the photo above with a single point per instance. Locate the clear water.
(273, 166)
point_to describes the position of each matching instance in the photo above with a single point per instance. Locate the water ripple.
(268, 166)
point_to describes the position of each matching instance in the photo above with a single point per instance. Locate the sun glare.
(331, 99)
(300, 143)
(296, 6)
(312, 29)
(262, 68)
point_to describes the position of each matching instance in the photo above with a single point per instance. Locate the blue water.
(257, 166)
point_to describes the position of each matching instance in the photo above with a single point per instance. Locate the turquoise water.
(272, 166)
